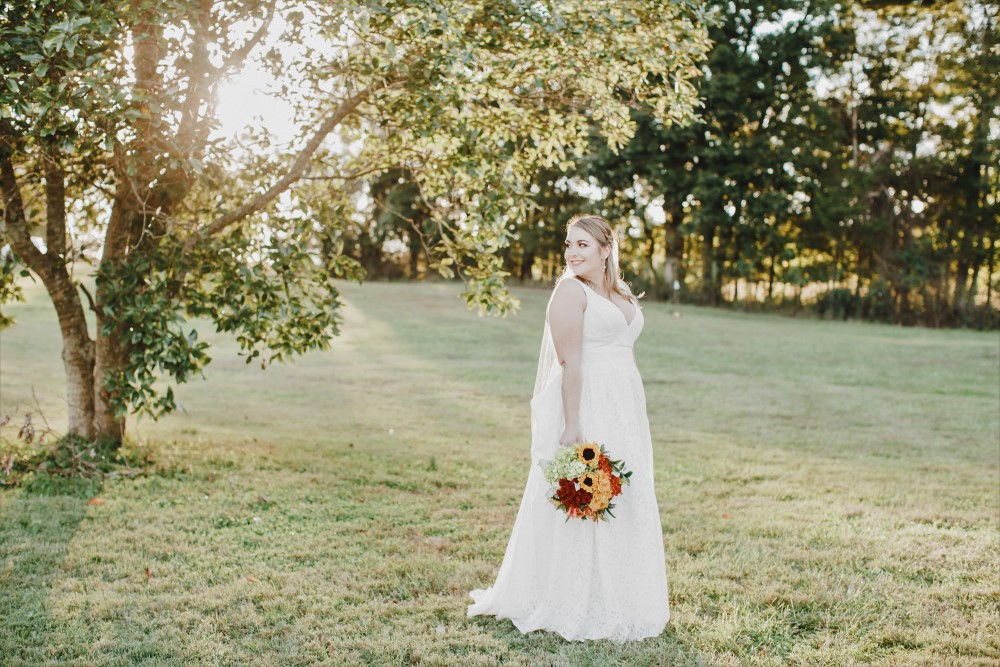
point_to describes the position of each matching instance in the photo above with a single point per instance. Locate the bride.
(579, 578)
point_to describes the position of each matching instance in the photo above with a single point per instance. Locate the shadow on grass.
(37, 524)
(551, 650)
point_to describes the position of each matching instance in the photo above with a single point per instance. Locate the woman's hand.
(571, 435)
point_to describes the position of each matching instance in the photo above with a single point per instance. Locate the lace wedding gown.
(581, 579)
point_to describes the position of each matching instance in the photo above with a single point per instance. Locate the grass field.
(829, 492)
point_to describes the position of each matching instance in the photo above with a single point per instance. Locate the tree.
(107, 128)
(850, 148)
(922, 159)
(729, 180)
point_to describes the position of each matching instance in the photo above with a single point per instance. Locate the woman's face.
(584, 254)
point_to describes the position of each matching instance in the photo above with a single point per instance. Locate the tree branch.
(90, 298)
(345, 177)
(55, 205)
(240, 55)
(128, 210)
(15, 223)
(295, 172)
(192, 127)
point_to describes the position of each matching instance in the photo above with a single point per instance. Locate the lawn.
(829, 494)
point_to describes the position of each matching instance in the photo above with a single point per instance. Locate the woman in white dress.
(579, 578)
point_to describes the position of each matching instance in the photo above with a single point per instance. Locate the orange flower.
(602, 491)
(616, 486)
(604, 465)
(598, 503)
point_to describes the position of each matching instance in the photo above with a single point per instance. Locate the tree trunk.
(961, 282)
(108, 357)
(673, 249)
(903, 306)
(709, 289)
(78, 358)
(414, 254)
(990, 263)
(770, 280)
(108, 363)
(136, 210)
(527, 261)
(78, 349)
(656, 290)
(979, 253)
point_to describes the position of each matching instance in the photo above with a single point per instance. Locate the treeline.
(845, 163)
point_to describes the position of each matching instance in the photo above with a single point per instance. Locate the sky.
(243, 101)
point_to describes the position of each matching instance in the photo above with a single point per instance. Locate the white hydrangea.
(564, 464)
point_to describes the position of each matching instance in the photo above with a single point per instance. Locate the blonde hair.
(603, 233)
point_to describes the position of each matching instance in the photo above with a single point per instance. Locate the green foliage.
(490, 93)
(140, 306)
(59, 87)
(466, 101)
(819, 166)
(268, 289)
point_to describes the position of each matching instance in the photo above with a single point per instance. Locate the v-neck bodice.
(635, 307)
(605, 324)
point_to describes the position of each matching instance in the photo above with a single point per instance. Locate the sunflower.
(588, 482)
(589, 455)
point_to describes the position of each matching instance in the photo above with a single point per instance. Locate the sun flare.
(245, 103)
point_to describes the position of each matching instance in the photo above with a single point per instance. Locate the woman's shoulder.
(566, 300)
(577, 293)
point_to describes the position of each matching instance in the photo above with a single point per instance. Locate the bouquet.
(585, 480)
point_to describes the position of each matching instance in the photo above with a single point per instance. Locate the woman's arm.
(566, 322)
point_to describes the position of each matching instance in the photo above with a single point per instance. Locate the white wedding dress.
(581, 579)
